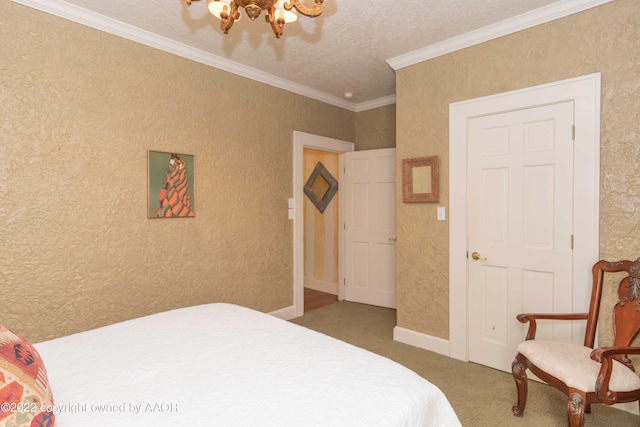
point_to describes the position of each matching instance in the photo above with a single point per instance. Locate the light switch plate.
(441, 213)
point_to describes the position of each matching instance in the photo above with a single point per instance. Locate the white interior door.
(370, 227)
(520, 208)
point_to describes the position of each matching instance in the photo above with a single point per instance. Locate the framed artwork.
(420, 180)
(171, 178)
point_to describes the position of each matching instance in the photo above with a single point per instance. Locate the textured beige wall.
(376, 128)
(605, 39)
(79, 109)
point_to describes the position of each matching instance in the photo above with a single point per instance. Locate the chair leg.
(576, 408)
(519, 372)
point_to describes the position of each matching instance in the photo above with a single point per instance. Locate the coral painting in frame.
(171, 185)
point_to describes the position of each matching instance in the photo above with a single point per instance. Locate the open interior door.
(370, 227)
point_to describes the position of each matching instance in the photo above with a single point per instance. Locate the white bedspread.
(225, 365)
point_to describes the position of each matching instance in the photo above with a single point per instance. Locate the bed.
(226, 365)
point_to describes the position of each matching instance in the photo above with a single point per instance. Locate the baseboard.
(286, 313)
(420, 340)
(321, 286)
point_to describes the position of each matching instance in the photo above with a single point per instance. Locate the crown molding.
(91, 19)
(375, 103)
(518, 23)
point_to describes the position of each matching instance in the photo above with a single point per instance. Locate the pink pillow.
(25, 396)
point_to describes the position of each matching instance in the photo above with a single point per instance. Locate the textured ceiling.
(344, 50)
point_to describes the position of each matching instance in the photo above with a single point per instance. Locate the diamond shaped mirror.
(321, 187)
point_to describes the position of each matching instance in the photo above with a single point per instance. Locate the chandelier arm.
(277, 24)
(228, 19)
(315, 11)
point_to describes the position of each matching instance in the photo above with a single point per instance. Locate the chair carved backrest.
(626, 312)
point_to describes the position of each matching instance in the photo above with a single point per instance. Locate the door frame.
(302, 140)
(585, 92)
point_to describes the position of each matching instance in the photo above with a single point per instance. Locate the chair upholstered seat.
(572, 364)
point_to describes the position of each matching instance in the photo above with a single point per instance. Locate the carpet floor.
(481, 396)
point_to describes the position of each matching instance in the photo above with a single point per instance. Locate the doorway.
(371, 277)
(320, 205)
(584, 95)
(301, 141)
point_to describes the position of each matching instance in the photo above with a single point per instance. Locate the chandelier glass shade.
(279, 12)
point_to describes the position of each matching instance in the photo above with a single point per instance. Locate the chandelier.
(279, 12)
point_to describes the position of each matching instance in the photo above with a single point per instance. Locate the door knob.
(393, 239)
(477, 256)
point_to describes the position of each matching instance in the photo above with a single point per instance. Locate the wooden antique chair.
(587, 375)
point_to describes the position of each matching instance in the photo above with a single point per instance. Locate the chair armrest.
(599, 354)
(532, 317)
(606, 356)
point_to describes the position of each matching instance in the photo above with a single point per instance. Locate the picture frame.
(420, 180)
(171, 185)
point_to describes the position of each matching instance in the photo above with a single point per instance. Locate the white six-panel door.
(520, 174)
(370, 227)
